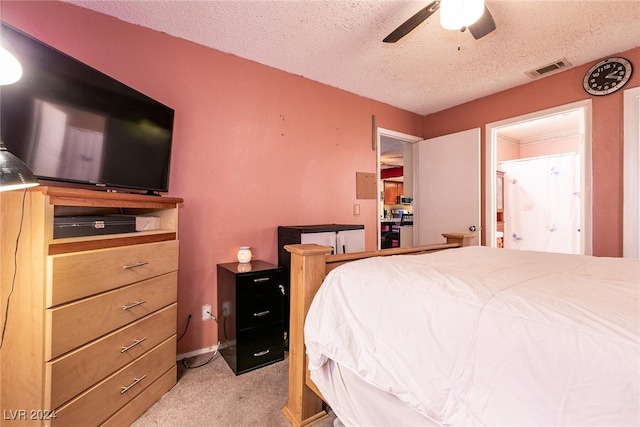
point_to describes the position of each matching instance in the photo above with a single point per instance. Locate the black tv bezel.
(117, 88)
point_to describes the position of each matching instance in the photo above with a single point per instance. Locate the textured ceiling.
(339, 42)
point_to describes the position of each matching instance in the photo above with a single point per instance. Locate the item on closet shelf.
(244, 254)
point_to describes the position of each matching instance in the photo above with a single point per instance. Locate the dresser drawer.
(139, 404)
(260, 300)
(260, 346)
(93, 317)
(101, 401)
(81, 274)
(73, 373)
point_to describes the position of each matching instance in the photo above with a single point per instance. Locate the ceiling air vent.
(549, 68)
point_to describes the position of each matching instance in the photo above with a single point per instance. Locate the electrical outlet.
(226, 308)
(206, 309)
(356, 209)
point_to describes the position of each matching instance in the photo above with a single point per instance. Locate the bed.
(463, 335)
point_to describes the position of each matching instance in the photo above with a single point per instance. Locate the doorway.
(545, 135)
(395, 156)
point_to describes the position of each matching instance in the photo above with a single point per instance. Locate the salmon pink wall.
(559, 146)
(254, 147)
(506, 150)
(509, 150)
(606, 144)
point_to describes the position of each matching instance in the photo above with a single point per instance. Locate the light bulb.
(10, 68)
(456, 14)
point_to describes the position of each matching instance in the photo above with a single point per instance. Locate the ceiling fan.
(480, 28)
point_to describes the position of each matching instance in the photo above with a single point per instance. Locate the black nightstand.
(250, 306)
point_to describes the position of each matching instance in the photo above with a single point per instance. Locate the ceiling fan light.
(456, 14)
(10, 68)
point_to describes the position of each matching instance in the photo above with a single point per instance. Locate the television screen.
(71, 123)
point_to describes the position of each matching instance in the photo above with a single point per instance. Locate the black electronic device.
(72, 123)
(92, 225)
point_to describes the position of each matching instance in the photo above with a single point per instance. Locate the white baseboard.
(198, 352)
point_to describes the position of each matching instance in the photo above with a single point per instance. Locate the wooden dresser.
(90, 333)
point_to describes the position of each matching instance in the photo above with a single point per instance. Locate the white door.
(631, 186)
(447, 187)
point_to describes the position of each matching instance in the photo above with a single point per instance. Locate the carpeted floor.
(212, 395)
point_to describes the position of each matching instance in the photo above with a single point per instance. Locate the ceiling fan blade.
(413, 22)
(483, 26)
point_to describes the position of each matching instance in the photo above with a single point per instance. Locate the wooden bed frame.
(310, 263)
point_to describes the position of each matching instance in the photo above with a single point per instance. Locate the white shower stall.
(542, 203)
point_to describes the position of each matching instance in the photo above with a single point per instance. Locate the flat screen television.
(71, 123)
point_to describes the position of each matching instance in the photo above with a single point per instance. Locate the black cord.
(184, 361)
(185, 329)
(15, 271)
(215, 353)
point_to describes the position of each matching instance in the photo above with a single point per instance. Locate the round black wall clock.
(607, 76)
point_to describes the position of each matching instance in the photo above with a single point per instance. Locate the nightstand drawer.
(73, 373)
(106, 312)
(81, 274)
(260, 300)
(100, 402)
(259, 346)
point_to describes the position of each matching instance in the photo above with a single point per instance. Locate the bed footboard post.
(308, 264)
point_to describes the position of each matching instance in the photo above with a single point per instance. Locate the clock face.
(607, 76)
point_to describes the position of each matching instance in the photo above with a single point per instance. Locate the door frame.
(491, 165)
(631, 171)
(402, 137)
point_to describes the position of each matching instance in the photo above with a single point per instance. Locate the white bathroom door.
(448, 187)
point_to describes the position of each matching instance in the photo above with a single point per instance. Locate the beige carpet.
(213, 396)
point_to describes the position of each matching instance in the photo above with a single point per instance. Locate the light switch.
(356, 209)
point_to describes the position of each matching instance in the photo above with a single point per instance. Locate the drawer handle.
(261, 353)
(261, 313)
(124, 389)
(261, 279)
(135, 304)
(134, 265)
(135, 343)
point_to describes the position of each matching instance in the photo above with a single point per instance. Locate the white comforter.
(483, 336)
